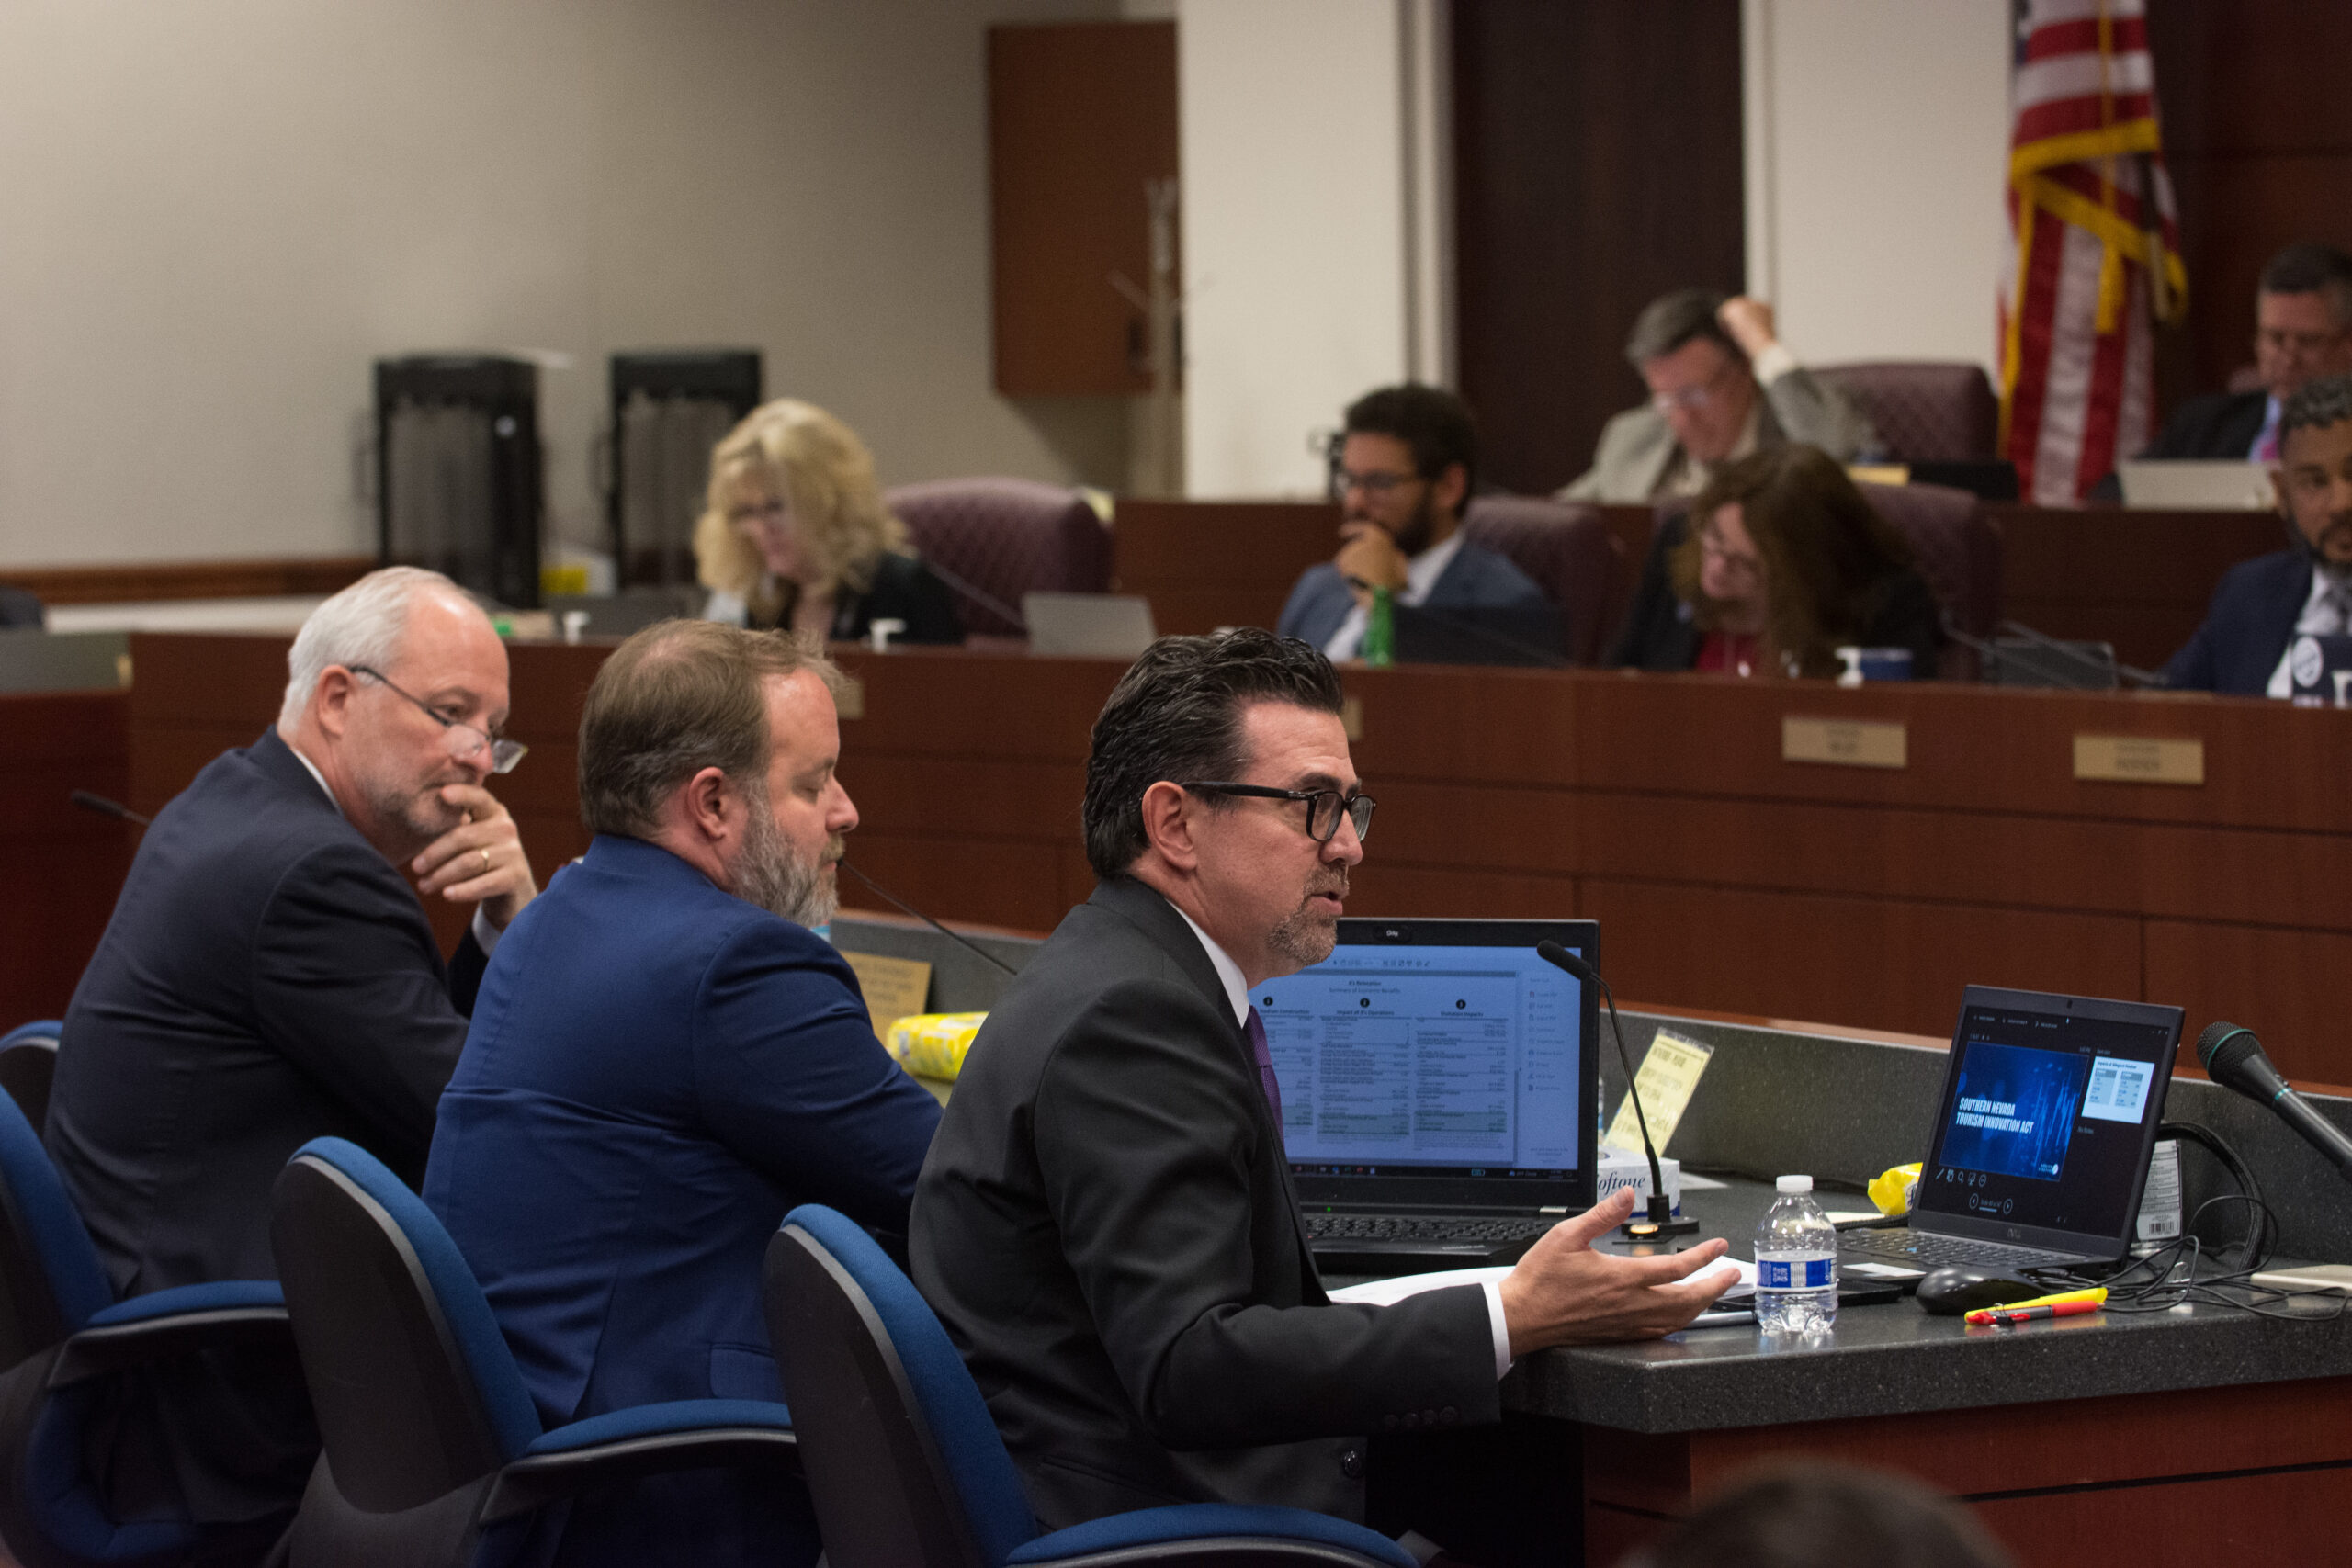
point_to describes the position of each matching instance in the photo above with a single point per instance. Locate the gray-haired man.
(269, 977)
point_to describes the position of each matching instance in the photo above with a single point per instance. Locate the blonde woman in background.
(795, 534)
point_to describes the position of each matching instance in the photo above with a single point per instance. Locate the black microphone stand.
(1660, 1220)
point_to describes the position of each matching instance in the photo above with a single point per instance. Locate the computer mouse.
(1951, 1290)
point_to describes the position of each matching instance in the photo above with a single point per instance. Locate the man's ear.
(710, 808)
(330, 700)
(1451, 490)
(1167, 825)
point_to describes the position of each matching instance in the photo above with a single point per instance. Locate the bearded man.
(1407, 462)
(664, 1059)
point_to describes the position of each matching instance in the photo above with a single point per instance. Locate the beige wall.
(213, 216)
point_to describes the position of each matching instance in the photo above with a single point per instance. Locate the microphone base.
(1647, 1229)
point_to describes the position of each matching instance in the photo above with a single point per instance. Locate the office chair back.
(903, 1459)
(28, 1066)
(1004, 537)
(1567, 547)
(416, 1393)
(50, 1279)
(1925, 411)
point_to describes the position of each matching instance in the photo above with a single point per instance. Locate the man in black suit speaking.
(1105, 1223)
(268, 977)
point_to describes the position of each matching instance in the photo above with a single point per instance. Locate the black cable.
(926, 919)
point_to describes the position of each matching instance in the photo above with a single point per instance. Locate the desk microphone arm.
(104, 808)
(905, 907)
(1660, 1220)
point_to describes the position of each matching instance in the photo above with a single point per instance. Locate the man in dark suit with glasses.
(268, 976)
(1105, 1223)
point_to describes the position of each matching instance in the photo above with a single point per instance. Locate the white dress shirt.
(1237, 996)
(485, 934)
(1422, 572)
(2323, 615)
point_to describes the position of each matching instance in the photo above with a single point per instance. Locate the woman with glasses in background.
(1779, 563)
(796, 536)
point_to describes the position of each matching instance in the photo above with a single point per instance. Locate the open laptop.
(1088, 626)
(1438, 1091)
(2041, 1138)
(2196, 484)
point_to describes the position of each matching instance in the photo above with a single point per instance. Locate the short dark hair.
(2328, 400)
(1807, 1514)
(676, 698)
(1434, 422)
(2309, 267)
(1176, 715)
(1672, 320)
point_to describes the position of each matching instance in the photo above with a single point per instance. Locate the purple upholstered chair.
(1004, 537)
(1926, 411)
(1567, 548)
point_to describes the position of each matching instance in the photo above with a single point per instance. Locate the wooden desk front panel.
(2176, 1476)
(65, 864)
(1725, 877)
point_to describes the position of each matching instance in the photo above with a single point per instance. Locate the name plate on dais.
(1847, 742)
(2139, 759)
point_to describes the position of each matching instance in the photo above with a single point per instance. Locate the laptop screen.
(2049, 1111)
(1437, 1062)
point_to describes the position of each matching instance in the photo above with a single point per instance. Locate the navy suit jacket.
(2247, 627)
(267, 978)
(657, 1072)
(1475, 578)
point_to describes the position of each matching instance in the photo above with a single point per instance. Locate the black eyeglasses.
(463, 740)
(1323, 806)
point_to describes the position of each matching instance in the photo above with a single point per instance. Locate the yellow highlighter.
(2066, 1303)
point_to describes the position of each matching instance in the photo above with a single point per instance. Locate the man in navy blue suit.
(664, 1059)
(2263, 604)
(268, 977)
(1405, 466)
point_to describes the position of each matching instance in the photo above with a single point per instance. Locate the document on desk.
(1667, 1078)
(1388, 1292)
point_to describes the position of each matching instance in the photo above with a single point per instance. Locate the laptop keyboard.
(1421, 1227)
(1925, 1251)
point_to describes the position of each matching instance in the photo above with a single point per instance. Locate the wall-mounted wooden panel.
(1080, 116)
(64, 864)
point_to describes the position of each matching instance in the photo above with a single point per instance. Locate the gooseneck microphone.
(1661, 1219)
(926, 919)
(104, 808)
(2231, 1055)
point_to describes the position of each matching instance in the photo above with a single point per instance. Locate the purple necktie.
(1255, 1033)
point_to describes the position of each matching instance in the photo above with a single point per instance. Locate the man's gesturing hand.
(1563, 1292)
(479, 861)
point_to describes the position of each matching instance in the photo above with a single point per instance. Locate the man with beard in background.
(1407, 462)
(2267, 606)
(665, 1059)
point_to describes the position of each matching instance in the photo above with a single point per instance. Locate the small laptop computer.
(1088, 626)
(2041, 1138)
(1526, 635)
(1438, 1085)
(2196, 484)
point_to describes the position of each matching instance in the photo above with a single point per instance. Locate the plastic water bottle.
(1796, 1263)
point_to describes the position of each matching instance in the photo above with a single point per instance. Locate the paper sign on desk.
(1668, 1076)
(894, 987)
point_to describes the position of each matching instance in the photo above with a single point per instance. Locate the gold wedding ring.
(485, 859)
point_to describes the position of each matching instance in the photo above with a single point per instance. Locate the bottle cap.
(1795, 1184)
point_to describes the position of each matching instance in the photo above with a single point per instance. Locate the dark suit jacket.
(657, 1072)
(267, 978)
(2247, 627)
(1106, 1227)
(1475, 578)
(1660, 634)
(2221, 424)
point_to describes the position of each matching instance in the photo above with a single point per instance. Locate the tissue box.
(1623, 1167)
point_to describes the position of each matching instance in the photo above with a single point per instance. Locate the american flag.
(2090, 205)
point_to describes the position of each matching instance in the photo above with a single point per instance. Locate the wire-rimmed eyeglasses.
(1323, 806)
(462, 739)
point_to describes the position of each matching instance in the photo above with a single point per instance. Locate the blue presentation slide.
(2015, 1112)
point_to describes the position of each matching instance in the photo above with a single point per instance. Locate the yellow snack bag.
(1894, 1189)
(933, 1044)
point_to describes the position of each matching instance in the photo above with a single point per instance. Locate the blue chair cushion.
(1200, 1521)
(224, 1296)
(960, 1425)
(504, 1401)
(76, 1276)
(61, 1497)
(660, 1420)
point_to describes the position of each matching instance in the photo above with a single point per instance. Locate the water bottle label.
(1793, 1273)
